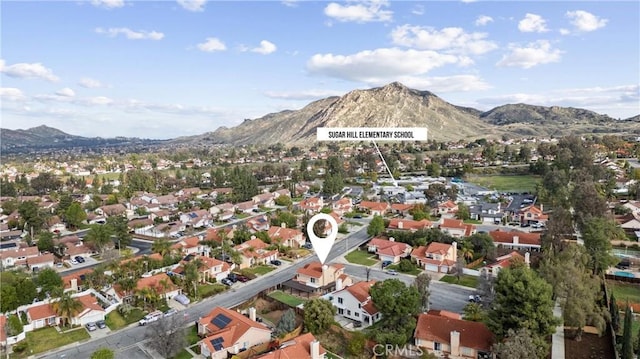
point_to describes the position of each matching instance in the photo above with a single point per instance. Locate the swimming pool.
(624, 274)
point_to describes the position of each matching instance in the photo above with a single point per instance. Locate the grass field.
(525, 183)
(414, 271)
(465, 280)
(183, 354)
(115, 320)
(207, 290)
(45, 339)
(192, 335)
(261, 270)
(361, 257)
(285, 298)
(625, 291)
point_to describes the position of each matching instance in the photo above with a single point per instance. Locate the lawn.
(625, 291)
(414, 271)
(192, 335)
(116, 321)
(287, 299)
(361, 257)
(260, 270)
(207, 290)
(183, 354)
(466, 280)
(525, 183)
(45, 339)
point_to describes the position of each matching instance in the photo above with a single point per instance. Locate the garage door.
(92, 317)
(444, 269)
(431, 267)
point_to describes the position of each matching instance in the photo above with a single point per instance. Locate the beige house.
(436, 257)
(254, 252)
(286, 236)
(314, 275)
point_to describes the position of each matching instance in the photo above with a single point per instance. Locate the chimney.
(391, 239)
(252, 313)
(339, 284)
(74, 284)
(455, 343)
(527, 259)
(516, 240)
(400, 225)
(253, 237)
(454, 245)
(315, 349)
(283, 225)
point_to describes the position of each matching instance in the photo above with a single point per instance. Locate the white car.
(73, 261)
(151, 317)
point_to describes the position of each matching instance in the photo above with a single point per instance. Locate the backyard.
(45, 339)
(465, 280)
(285, 298)
(524, 183)
(361, 257)
(624, 292)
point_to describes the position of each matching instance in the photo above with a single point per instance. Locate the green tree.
(45, 241)
(67, 307)
(283, 201)
(356, 344)
(522, 300)
(473, 312)
(161, 246)
(75, 215)
(615, 313)
(31, 216)
(422, 283)
(286, 324)
(333, 184)
(120, 229)
(376, 226)
(398, 305)
(103, 353)
(627, 335)
(8, 298)
(597, 234)
(50, 281)
(14, 325)
(45, 182)
(26, 291)
(463, 212)
(520, 344)
(318, 315)
(63, 203)
(289, 219)
(99, 236)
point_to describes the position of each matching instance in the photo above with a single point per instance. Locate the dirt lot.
(336, 340)
(269, 310)
(590, 347)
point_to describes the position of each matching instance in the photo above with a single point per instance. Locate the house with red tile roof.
(446, 209)
(503, 262)
(342, 206)
(255, 252)
(387, 249)
(246, 207)
(311, 205)
(264, 199)
(210, 269)
(401, 208)
(304, 346)
(401, 224)
(160, 282)
(216, 234)
(436, 257)
(190, 245)
(227, 332)
(117, 209)
(76, 280)
(40, 262)
(196, 219)
(532, 214)
(354, 302)
(456, 227)
(315, 276)
(91, 310)
(447, 334)
(286, 236)
(516, 240)
(375, 208)
(258, 223)
(42, 315)
(17, 257)
(3, 332)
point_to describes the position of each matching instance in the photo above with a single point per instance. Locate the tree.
(161, 246)
(421, 283)
(466, 251)
(376, 226)
(486, 289)
(460, 264)
(30, 213)
(75, 215)
(26, 291)
(288, 218)
(50, 281)
(286, 324)
(597, 234)
(120, 229)
(8, 298)
(463, 212)
(473, 312)
(45, 241)
(627, 335)
(283, 201)
(519, 345)
(398, 305)
(103, 353)
(318, 315)
(522, 300)
(45, 183)
(333, 184)
(356, 344)
(14, 325)
(615, 313)
(167, 336)
(99, 236)
(66, 307)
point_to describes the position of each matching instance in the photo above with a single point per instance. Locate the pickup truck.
(151, 317)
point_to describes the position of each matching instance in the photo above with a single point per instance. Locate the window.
(313, 280)
(437, 346)
(340, 311)
(359, 305)
(340, 300)
(348, 312)
(357, 314)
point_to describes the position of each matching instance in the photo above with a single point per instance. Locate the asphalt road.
(125, 342)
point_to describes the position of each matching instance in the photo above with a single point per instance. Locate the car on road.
(151, 317)
(276, 262)
(170, 312)
(392, 271)
(101, 324)
(357, 216)
(475, 299)
(91, 326)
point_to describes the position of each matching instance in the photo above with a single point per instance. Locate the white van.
(151, 317)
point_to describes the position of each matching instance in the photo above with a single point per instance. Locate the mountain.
(34, 136)
(396, 105)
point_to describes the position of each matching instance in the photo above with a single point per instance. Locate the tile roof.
(66, 280)
(409, 224)
(237, 326)
(297, 348)
(374, 206)
(314, 269)
(154, 282)
(438, 248)
(284, 234)
(505, 237)
(89, 302)
(360, 290)
(438, 325)
(387, 247)
(43, 258)
(3, 333)
(42, 311)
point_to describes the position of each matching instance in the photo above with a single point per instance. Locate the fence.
(471, 272)
(622, 279)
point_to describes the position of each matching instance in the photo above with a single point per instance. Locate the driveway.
(99, 333)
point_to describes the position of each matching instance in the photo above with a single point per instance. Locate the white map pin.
(322, 246)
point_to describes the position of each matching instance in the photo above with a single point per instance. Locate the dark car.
(232, 278)
(307, 246)
(386, 263)
(79, 259)
(242, 278)
(101, 324)
(276, 262)
(226, 282)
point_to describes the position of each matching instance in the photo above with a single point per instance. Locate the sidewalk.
(557, 344)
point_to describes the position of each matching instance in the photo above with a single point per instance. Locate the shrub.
(15, 325)
(21, 346)
(406, 266)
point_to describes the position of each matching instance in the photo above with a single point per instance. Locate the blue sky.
(167, 69)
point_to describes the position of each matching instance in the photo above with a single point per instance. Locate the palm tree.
(466, 251)
(161, 246)
(473, 312)
(99, 236)
(147, 294)
(192, 275)
(128, 284)
(164, 284)
(67, 306)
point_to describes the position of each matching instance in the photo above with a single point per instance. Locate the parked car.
(182, 299)
(226, 282)
(392, 272)
(276, 262)
(242, 278)
(307, 246)
(80, 259)
(232, 277)
(73, 261)
(170, 312)
(386, 263)
(151, 317)
(475, 299)
(91, 326)
(101, 324)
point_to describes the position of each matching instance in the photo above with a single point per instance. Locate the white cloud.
(28, 71)
(212, 44)
(66, 92)
(584, 21)
(452, 39)
(90, 83)
(483, 20)
(532, 23)
(193, 5)
(302, 95)
(265, 48)
(109, 4)
(565, 31)
(418, 10)
(290, 3)
(97, 100)
(535, 53)
(361, 12)
(130, 34)
(380, 65)
(12, 94)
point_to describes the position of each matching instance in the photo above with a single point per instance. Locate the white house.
(354, 302)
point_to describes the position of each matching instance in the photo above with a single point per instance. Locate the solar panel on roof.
(220, 321)
(7, 245)
(193, 215)
(217, 343)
